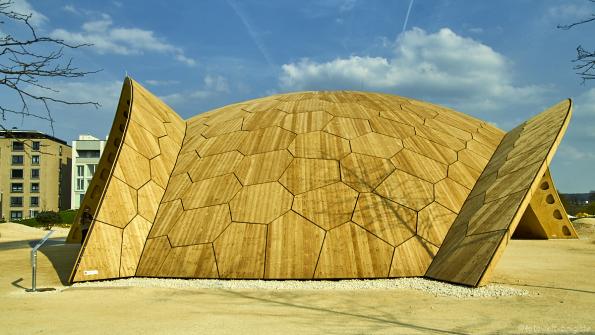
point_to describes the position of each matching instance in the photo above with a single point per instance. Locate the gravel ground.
(419, 284)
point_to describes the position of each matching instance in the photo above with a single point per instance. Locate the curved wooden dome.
(306, 185)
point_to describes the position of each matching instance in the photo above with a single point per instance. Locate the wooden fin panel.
(474, 244)
(130, 189)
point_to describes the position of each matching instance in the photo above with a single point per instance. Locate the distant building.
(34, 173)
(86, 152)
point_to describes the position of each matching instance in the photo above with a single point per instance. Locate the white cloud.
(216, 83)
(568, 151)
(347, 5)
(117, 40)
(23, 7)
(213, 85)
(154, 82)
(105, 93)
(476, 30)
(441, 66)
(186, 60)
(71, 9)
(569, 11)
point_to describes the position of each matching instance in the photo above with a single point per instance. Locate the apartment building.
(34, 174)
(86, 152)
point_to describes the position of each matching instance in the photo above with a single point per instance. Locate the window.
(80, 184)
(80, 180)
(16, 215)
(33, 213)
(34, 173)
(91, 168)
(16, 187)
(81, 197)
(88, 153)
(17, 160)
(16, 174)
(60, 151)
(35, 160)
(18, 146)
(34, 201)
(34, 187)
(16, 201)
(35, 145)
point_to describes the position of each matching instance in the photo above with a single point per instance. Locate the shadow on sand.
(61, 256)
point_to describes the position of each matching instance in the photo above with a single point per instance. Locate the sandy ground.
(559, 276)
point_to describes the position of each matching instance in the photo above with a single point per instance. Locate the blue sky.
(501, 61)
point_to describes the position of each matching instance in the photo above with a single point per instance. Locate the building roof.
(29, 134)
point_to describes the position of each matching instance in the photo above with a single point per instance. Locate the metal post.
(34, 262)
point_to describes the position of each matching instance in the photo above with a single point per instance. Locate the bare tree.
(585, 59)
(28, 62)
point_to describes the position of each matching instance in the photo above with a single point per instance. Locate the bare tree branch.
(585, 60)
(568, 26)
(25, 62)
(586, 63)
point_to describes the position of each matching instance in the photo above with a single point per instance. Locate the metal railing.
(34, 262)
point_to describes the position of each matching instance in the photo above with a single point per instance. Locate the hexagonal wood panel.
(201, 225)
(293, 246)
(328, 206)
(306, 122)
(261, 203)
(384, 218)
(305, 174)
(319, 145)
(347, 127)
(363, 172)
(264, 167)
(407, 190)
(240, 251)
(349, 251)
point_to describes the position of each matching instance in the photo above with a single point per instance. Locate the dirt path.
(560, 276)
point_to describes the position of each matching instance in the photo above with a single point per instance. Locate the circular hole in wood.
(111, 157)
(125, 114)
(122, 127)
(545, 185)
(557, 214)
(128, 102)
(117, 141)
(549, 199)
(566, 231)
(103, 174)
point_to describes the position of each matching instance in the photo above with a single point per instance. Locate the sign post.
(34, 262)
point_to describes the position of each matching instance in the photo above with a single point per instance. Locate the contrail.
(251, 32)
(407, 16)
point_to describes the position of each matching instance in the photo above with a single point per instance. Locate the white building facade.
(86, 152)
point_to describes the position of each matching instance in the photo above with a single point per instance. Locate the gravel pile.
(419, 284)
